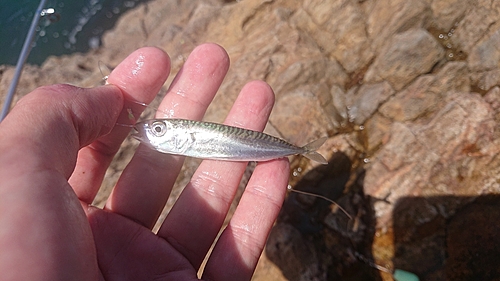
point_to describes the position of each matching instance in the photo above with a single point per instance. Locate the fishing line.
(125, 125)
(322, 197)
(101, 65)
(397, 274)
(22, 59)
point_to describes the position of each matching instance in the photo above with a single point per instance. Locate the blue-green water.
(77, 28)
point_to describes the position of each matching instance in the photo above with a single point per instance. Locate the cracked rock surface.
(407, 91)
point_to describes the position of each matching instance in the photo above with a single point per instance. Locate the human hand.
(56, 145)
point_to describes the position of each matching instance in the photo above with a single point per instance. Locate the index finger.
(139, 77)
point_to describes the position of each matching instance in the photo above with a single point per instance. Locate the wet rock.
(404, 57)
(148, 24)
(337, 107)
(453, 76)
(462, 247)
(310, 71)
(376, 78)
(448, 12)
(471, 233)
(312, 230)
(387, 18)
(486, 80)
(485, 55)
(366, 101)
(376, 130)
(337, 23)
(305, 103)
(436, 154)
(296, 257)
(422, 95)
(493, 98)
(475, 24)
(412, 102)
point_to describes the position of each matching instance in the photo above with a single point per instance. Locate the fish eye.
(158, 128)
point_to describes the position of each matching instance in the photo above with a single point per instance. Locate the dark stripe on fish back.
(231, 131)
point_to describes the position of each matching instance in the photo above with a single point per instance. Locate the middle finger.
(146, 182)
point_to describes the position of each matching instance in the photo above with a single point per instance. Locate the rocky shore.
(406, 91)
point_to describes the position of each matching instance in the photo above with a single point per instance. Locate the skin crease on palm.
(56, 145)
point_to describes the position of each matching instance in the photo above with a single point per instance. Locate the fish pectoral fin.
(182, 144)
(313, 155)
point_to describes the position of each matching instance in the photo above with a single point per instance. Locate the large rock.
(406, 56)
(407, 91)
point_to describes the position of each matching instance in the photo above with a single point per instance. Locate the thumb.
(52, 123)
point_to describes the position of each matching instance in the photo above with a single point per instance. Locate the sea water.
(76, 26)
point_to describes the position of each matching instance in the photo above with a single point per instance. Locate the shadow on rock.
(435, 237)
(313, 239)
(462, 245)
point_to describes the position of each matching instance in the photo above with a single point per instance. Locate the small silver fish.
(208, 140)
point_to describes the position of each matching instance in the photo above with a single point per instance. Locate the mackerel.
(209, 140)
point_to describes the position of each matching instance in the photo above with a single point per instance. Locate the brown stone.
(404, 57)
(387, 18)
(485, 55)
(448, 12)
(475, 24)
(419, 127)
(365, 102)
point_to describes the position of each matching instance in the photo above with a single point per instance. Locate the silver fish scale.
(214, 141)
(251, 136)
(233, 142)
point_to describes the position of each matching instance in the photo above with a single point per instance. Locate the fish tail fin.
(310, 150)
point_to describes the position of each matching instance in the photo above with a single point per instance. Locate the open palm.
(56, 146)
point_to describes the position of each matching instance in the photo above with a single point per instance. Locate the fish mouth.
(135, 134)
